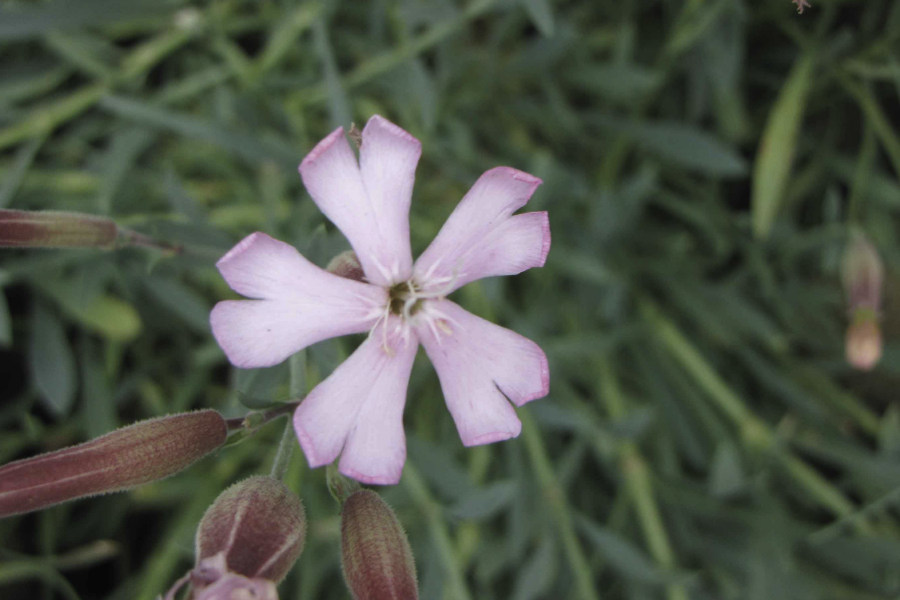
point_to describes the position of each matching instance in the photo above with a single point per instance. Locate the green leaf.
(250, 148)
(65, 15)
(181, 301)
(541, 14)
(621, 553)
(14, 571)
(536, 576)
(6, 338)
(775, 155)
(681, 144)
(888, 431)
(51, 362)
(107, 315)
(485, 502)
(726, 476)
(98, 410)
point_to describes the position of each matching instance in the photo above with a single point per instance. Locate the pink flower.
(357, 412)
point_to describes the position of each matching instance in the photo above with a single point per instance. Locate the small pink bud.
(346, 264)
(862, 274)
(146, 451)
(258, 526)
(863, 343)
(376, 557)
(54, 229)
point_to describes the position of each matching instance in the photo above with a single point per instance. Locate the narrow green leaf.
(541, 14)
(775, 155)
(537, 574)
(181, 301)
(6, 337)
(621, 553)
(51, 362)
(485, 502)
(888, 431)
(101, 313)
(13, 178)
(66, 15)
(726, 476)
(12, 572)
(680, 144)
(98, 410)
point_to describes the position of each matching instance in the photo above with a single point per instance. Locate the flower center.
(405, 299)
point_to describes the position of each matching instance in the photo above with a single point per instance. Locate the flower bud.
(54, 229)
(346, 264)
(863, 343)
(212, 581)
(375, 554)
(257, 525)
(862, 274)
(131, 456)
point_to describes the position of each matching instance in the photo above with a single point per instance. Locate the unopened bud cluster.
(259, 527)
(247, 542)
(134, 455)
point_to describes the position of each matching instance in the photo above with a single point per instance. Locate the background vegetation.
(703, 162)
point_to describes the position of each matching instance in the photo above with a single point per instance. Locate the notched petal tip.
(494, 436)
(545, 381)
(241, 247)
(377, 121)
(321, 148)
(515, 174)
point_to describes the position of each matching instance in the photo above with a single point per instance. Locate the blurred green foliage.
(703, 164)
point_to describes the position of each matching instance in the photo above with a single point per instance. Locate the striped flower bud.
(54, 229)
(346, 264)
(863, 276)
(375, 554)
(125, 458)
(258, 526)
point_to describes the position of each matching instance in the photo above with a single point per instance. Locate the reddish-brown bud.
(54, 229)
(346, 264)
(131, 456)
(258, 525)
(376, 557)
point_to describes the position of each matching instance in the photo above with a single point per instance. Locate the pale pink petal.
(300, 303)
(359, 409)
(368, 201)
(478, 239)
(480, 365)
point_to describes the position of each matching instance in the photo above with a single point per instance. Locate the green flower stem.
(416, 487)
(638, 482)
(754, 432)
(285, 449)
(556, 499)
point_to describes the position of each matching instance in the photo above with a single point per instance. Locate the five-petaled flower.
(357, 412)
